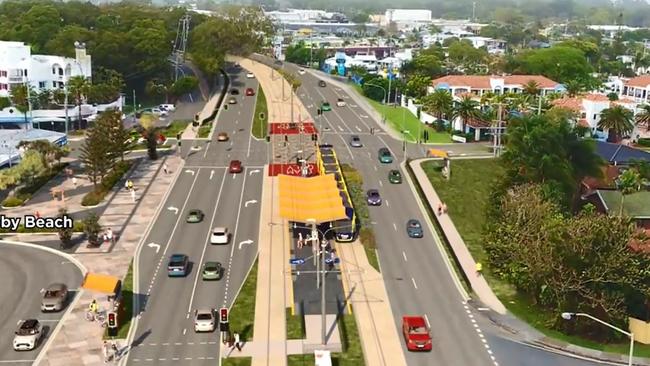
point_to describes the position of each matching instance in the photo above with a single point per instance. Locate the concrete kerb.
(136, 271)
(71, 306)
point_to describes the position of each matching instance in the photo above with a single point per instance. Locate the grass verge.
(352, 354)
(237, 361)
(26, 192)
(242, 313)
(466, 195)
(125, 312)
(295, 325)
(260, 125)
(204, 130)
(175, 128)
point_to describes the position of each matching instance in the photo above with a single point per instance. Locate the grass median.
(204, 130)
(242, 313)
(175, 128)
(125, 313)
(260, 125)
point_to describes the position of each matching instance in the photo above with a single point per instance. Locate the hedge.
(77, 228)
(96, 196)
(26, 192)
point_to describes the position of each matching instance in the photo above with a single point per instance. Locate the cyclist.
(93, 307)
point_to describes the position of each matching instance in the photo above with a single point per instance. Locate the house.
(637, 88)
(18, 66)
(635, 205)
(480, 84)
(617, 154)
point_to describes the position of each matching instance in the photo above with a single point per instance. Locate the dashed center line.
(480, 334)
(414, 284)
(404, 255)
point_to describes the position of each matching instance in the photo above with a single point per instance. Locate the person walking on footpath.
(74, 182)
(444, 208)
(105, 351)
(132, 195)
(237, 342)
(479, 268)
(115, 351)
(439, 208)
(109, 235)
(130, 182)
(165, 168)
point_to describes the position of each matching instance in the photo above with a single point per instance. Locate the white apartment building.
(477, 85)
(19, 66)
(406, 17)
(493, 46)
(637, 88)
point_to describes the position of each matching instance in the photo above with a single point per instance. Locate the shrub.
(93, 198)
(644, 142)
(12, 201)
(77, 228)
(92, 229)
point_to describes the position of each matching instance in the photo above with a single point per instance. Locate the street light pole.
(568, 316)
(65, 105)
(322, 295)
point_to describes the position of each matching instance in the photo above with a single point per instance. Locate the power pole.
(180, 44)
(497, 130)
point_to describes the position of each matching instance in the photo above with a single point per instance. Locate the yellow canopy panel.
(437, 153)
(315, 198)
(101, 283)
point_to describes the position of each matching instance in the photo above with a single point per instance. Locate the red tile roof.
(483, 81)
(640, 81)
(574, 104)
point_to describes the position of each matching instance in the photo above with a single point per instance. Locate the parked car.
(340, 102)
(54, 297)
(250, 75)
(414, 228)
(219, 236)
(250, 92)
(204, 320)
(394, 176)
(212, 271)
(325, 107)
(373, 198)
(416, 333)
(222, 136)
(322, 83)
(28, 335)
(195, 216)
(232, 100)
(355, 141)
(234, 91)
(301, 71)
(167, 107)
(235, 166)
(385, 156)
(177, 265)
(159, 112)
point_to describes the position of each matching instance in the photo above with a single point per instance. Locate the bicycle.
(100, 317)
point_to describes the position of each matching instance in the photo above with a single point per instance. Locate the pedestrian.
(444, 208)
(130, 185)
(132, 195)
(126, 185)
(237, 342)
(105, 351)
(109, 235)
(165, 168)
(116, 352)
(74, 182)
(479, 268)
(300, 241)
(439, 208)
(37, 214)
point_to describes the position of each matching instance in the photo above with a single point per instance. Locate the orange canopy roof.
(317, 198)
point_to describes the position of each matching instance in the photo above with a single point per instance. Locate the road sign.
(296, 260)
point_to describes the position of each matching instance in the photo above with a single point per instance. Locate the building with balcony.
(477, 85)
(18, 66)
(637, 88)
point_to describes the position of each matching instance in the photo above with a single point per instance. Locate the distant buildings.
(406, 17)
(479, 84)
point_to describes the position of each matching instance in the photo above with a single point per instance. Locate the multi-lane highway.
(21, 283)
(165, 330)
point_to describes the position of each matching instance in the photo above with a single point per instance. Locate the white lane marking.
(189, 171)
(178, 219)
(172, 208)
(381, 184)
(358, 128)
(249, 202)
(234, 175)
(253, 171)
(245, 242)
(184, 331)
(394, 226)
(414, 284)
(340, 128)
(374, 166)
(234, 240)
(206, 149)
(387, 204)
(404, 255)
(211, 174)
(205, 246)
(426, 319)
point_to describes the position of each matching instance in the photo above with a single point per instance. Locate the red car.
(416, 333)
(250, 91)
(235, 166)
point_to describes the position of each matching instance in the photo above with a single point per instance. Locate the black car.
(322, 84)
(234, 91)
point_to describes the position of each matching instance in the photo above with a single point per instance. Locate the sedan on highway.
(414, 228)
(340, 102)
(394, 176)
(222, 136)
(250, 75)
(212, 271)
(204, 320)
(373, 198)
(234, 91)
(250, 92)
(177, 266)
(301, 71)
(235, 166)
(28, 335)
(232, 100)
(355, 141)
(325, 107)
(219, 236)
(385, 156)
(195, 216)
(322, 84)
(54, 297)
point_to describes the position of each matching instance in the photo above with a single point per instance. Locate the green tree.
(465, 110)
(643, 116)
(558, 63)
(47, 151)
(617, 121)
(183, 85)
(62, 42)
(20, 95)
(97, 151)
(119, 137)
(531, 88)
(628, 182)
(149, 41)
(78, 87)
(92, 229)
(30, 167)
(65, 234)
(417, 85)
(4, 102)
(439, 103)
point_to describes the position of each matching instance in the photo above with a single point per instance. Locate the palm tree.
(629, 182)
(643, 117)
(573, 88)
(439, 103)
(617, 121)
(531, 88)
(465, 109)
(78, 86)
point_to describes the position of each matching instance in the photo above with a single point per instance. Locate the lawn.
(295, 326)
(175, 128)
(352, 354)
(466, 196)
(204, 130)
(260, 126)
(400, 118)
(242, 313)
(236, 361)
(126, 311)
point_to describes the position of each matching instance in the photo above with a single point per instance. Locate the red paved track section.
(291, 169)
(292, 129)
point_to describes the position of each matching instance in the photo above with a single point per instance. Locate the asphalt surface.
(417, 279)
(21, 282)
(165, 331)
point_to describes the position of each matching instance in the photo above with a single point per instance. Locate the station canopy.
(317, 198)
(101, 283)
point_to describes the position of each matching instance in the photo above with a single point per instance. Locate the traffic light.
(223, 315)
(178, 136)
(112, 319)
(319, 111)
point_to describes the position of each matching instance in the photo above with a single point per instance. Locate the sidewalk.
(77, 341)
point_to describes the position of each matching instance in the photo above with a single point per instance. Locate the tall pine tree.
(97, 152)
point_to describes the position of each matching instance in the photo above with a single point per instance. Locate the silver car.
(54, 297)
(355, 141)
(204, 320)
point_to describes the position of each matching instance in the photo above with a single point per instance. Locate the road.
(165, 332)
(21, 282)
(416, 272)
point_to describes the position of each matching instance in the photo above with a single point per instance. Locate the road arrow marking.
(251, 202)
(154, 245)
(253, 171)
(358, 128)
(340, 128)
(190, 171)
(245, 242)
(172, 208)
(363, 116)
(211, 174)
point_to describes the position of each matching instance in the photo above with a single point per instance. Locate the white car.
(167, 107)
(301, 71)
(28, 335)
(204, 320)
(219, 236)
(158, 111)
(340, 103)
(250, 75)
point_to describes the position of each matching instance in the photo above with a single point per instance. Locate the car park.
(322, 83)
(54, 297)
(250, 92)
(325, 107)
(385, 156)
(373, 198)
(340, 102)
(234, 91)
(250, 75)
(204, 320)
(355, 141)
(222, 136)
(394, 176)
(28, 335)
(235, 166)
(414, 229)
(219, 235)
(195, 216)
(177, 265)
(212, 271)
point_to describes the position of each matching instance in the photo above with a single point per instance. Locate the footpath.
(498, 314)
(76, 341)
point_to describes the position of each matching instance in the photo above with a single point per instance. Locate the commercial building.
(406, 17)
(18, 66)
(478, 84)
